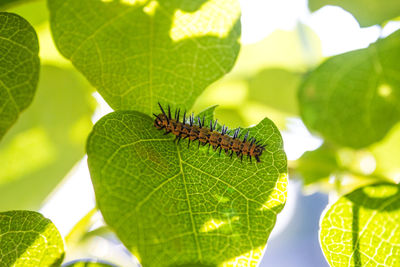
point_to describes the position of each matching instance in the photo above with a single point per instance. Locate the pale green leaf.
(138, 53)
(29, 239)
(363, 228)
(276, 88)
(367, 12)
(318, 164)
(47, 140)
(19, 68)
(172, 205)
(353, 99)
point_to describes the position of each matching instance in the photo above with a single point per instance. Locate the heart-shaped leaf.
(173, 205)
(29, 239)
(138, 53)
(19, 67)
(363, 228)
(353, 99)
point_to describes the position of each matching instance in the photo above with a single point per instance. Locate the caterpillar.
(217, 139)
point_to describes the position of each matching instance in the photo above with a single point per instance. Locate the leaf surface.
(363, 229)
(367, 12)
(149, 51)
(29, 239)
(173, 205)
(353, 99)
(19, 68)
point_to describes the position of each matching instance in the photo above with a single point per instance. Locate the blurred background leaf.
(367, 12)
(353, 99)
(139, 53)
(47, 141)
(318, 164)
(276, 88)
(19, 68)
(29, 239)
(264, 80)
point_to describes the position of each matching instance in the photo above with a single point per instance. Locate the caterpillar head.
(161, 121)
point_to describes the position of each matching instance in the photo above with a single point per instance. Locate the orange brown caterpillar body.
(198, 131)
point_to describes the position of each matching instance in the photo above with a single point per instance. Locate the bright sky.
(339, 32)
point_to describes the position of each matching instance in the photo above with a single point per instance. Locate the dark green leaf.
(29, 239)
(363, 228)
(354, 99)
(47, 140)
(173, 205)
(149, 51)
(5, 4)
(19, 68)
(367, 12)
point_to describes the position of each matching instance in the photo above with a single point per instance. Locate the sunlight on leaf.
(127, 53)
(251, 258)
(362, 228)
(208, 20)
(159, 197)
(29, 239)
(19, 68)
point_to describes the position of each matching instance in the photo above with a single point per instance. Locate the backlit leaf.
(172, 205)
(363, 228)
(29, 239)
(141, 52)
(353, 99)
(19, 68)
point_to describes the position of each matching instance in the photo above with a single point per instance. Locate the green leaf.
(276, 88)
(362, 228)
(367, 12)
(5, 4)
(19, 68)
(149, 51)
(173, 205)
(47, 140)
(318, 164)
(29, 239)
(353, 99)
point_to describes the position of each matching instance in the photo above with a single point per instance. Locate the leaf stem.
(80, 228)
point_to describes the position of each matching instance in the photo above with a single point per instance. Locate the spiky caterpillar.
(212, 137)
